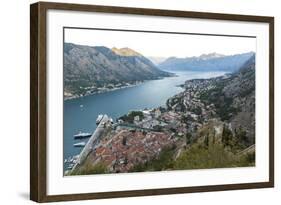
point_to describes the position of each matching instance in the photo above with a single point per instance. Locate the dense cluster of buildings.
(125, 148)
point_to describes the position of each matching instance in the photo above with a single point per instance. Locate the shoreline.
(103, 91)
(113, 89)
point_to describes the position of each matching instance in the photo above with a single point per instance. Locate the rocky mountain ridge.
(125, 52)
(91, 69)
(206, 62)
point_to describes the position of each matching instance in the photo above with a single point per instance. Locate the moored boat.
(79, 144)
(81, 135)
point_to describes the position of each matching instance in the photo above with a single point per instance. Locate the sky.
(161, 45)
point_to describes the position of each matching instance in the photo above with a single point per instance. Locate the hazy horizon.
(161, 44)
(164, 57)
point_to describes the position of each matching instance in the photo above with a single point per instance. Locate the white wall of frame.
(14, 103)
(57, 184)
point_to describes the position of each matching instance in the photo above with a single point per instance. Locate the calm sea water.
(80, 114)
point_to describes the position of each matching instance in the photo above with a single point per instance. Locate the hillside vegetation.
(87, 69)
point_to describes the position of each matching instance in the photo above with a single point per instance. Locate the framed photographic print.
(134, 102)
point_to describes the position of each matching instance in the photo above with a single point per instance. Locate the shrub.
(130, 116)
(89, 168)
(216, 156)
(163, 162)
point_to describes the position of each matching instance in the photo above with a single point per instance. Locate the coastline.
(128, 85)
(103, 91)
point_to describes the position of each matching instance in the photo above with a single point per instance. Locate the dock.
(92, 141)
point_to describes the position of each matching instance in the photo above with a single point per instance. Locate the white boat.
(99, 119)
(81, 135)
(68, 160)
(70, 166)
(79, 144)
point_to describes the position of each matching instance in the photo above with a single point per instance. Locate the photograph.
(147, 101)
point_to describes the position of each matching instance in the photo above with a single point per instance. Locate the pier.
(93, 140)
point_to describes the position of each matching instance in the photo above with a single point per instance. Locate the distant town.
(91, 90)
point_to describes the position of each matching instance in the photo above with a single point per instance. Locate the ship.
(79, 144)
(99, 118)
(70, 166)
(82, 135)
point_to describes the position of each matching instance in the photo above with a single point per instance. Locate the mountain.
(125, 52)
(229, 99)
(206, 62)
(211, 56)
(241, 89)
(90, 68)
(157, 60)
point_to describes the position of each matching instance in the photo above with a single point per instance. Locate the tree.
(126, 160)
(241, 136)
(227, 136)
(124, 141)
(206, 141)
(188, 137)
(214, 137)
